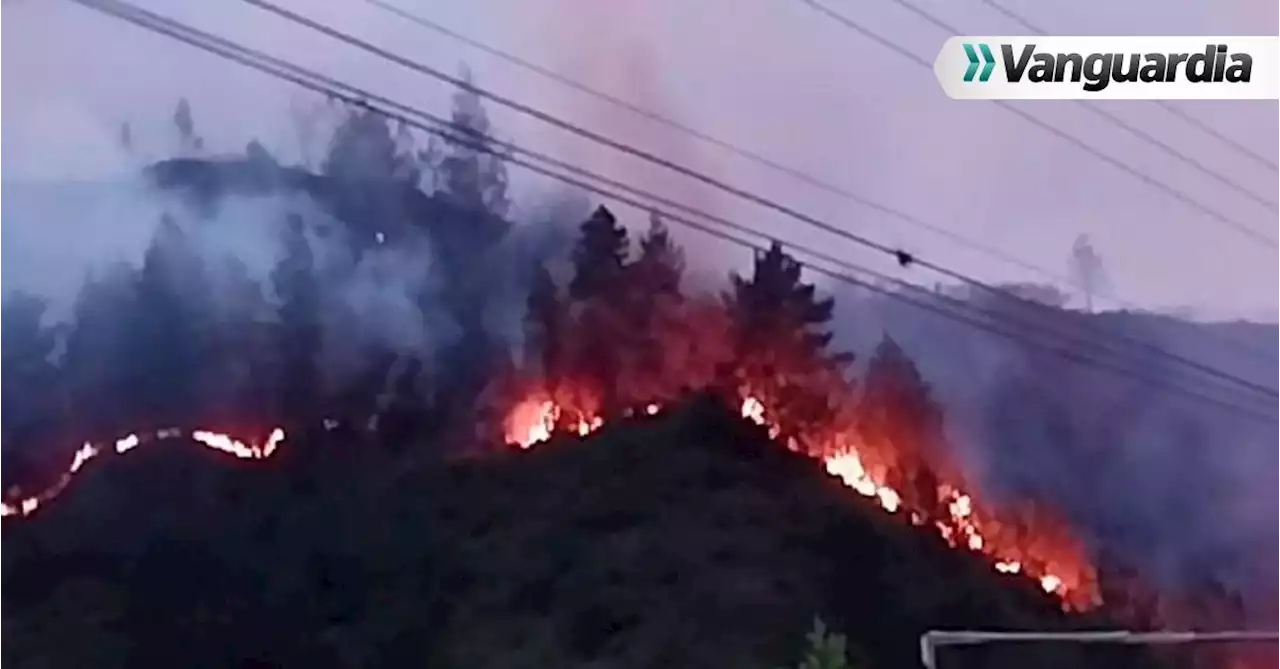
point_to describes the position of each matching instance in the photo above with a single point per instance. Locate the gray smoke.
(1176, 487)
(56, 234)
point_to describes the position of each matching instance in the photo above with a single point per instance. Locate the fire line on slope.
(25, 506)
(1072, 580)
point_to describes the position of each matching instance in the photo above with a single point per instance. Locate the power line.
(805, 177)
(1192, 363)
(897, 254)
(567, 126)
(1163, 104)
(1135, 172)
(278, 68)
(1116, 121)
(905, 53)
(735, 149)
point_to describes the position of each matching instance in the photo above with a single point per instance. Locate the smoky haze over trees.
(387, 290)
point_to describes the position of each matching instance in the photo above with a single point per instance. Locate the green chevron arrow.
(991, 62)
(973, 62)
(988, 62)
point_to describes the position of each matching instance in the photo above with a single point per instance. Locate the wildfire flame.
(25, 506)
(1073, 581)
(535, 419)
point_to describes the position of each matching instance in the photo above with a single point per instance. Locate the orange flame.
(25, 506)
(1073, 580)
(535, 419)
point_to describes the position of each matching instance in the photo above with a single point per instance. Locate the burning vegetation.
(26, 504)
(618, 335)
(626, 339)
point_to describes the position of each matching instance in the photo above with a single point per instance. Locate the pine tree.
(544, 326)
(308, 117)
(189, 143)
(775, 302)
(471, 172)
(469, 189)
(899, 415)
(363, 150)
(470, 181)
(239, 352)
(598, 288)
(656, 321)
(599, 256)
(171, 338)
(660, 267)
(96, 360)
(299, 335)
(27, 344)
(408, 168)
(400, 407)
(30, 382)
(1087, 269)
(782, 342)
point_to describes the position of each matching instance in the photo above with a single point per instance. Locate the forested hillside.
(368, 412)
(686, 540)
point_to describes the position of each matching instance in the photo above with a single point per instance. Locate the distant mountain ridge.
(1172, 482)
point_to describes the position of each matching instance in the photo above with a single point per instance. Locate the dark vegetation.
(685, 540)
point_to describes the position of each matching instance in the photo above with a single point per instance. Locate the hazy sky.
(770, 75)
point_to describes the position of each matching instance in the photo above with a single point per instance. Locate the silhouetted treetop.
(660, 266)
(189, 143)
(599, 256)
(774, 301)
(468, 172)
(363, 149)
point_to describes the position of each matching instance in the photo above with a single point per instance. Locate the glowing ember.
(535, 420)
(1008, 567)
(128, 443)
